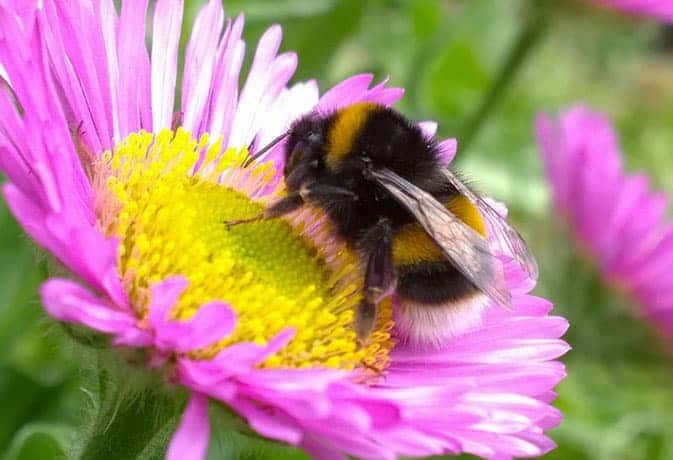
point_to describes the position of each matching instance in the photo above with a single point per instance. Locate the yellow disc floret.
(167, 198)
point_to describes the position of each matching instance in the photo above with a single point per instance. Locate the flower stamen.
(167, 196)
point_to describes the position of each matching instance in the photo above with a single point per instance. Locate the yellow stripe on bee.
(412, 245)
(466, 211)
(348, 124)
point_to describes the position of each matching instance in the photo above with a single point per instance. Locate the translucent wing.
(466, 249)
(507, 237)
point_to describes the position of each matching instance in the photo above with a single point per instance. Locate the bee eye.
(314, 139)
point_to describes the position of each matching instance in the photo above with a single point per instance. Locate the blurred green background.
(482, 69)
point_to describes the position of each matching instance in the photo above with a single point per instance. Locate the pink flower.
(486, 393)
(661, 10)
(615, 216)
(257, 318)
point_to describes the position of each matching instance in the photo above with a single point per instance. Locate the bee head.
(304, 150)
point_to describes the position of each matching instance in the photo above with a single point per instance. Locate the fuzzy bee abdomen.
(432, 283)
(424, 274)
(412, 245)
(436, 302)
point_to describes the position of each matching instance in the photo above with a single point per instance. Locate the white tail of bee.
(431, 326)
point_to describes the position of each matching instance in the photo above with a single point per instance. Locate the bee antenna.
(265, 149)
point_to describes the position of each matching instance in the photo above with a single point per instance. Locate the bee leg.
(285, 205)
(295, 200)
(365, 318)
(320, 192)
(281, 207)
(307, 193)
(376, 247)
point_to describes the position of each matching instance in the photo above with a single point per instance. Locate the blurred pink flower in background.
(615, 216)
(132, 207)
(661, 10)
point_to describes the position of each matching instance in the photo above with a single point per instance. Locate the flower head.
(615, 216)
(661, 10)
(132, 200)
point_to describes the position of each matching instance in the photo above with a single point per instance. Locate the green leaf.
(19, 279)
(272, 10)
(24, 400)
(318, 38)
(40, 441)
(134, 416)
(232, 445)
(27, 337)
(456, 79)
(427, 16)
(233, 439)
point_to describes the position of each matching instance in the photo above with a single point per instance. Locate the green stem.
(130, 424)
(525, 42)
(84, 337)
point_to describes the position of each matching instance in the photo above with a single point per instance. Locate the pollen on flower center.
(167, 196)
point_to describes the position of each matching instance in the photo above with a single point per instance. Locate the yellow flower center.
(167, 196)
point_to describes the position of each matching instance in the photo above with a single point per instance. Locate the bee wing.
(466, 249)
(507, 237)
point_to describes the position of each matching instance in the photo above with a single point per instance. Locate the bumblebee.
(420, 232)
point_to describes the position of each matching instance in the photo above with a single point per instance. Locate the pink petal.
(350, 88)
(211, 323)
(14, 161)
(661, 10)
(616, 216)
(379, 94)
(165, 45)
(295, 380)
(269, 421)
(320, 450)
(69, 302)
(134, 338)
(429, 128)
(267, 78)
(200, 63)
(110, 29)
(356, 89)
(88, 253)
(256, 85)
(164, 296)
(77, 51)
(224, 97)
(236, 359)
(546, 137)
(190, 441)
(291, 104)
(447, 151)
(28, 213)
(134, 87)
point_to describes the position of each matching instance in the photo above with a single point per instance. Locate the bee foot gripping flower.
(258, 316)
